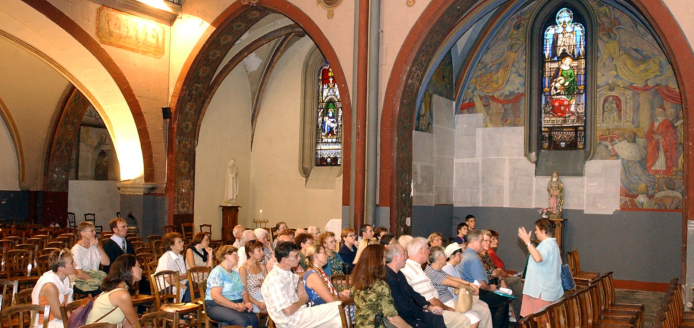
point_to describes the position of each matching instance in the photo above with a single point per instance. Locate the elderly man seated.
(418, 254)
(245, 237)
(286, 299)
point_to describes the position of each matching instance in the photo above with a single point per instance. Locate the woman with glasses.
(253, 274)
(318, 286)
(224, 299)
(335, 263)
(348, 250)
(115, 304)
(304, 241)
(173, 260)
(88, 255)
(53, 287)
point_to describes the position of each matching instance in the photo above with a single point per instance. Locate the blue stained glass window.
(563, 84)
(329, 122)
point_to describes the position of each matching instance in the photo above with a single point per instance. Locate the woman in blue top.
(225, 292)
(543, 275)
(318, 286)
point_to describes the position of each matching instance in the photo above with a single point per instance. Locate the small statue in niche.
(555, 188)
(232, 183)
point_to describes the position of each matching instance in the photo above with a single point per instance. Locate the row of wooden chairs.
(589, 306)
(671, 314)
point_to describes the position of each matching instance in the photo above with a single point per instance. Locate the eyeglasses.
(351, 235)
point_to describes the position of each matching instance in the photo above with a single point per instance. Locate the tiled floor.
(651, 300)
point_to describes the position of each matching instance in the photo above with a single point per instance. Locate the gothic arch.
(407, 78)
(193, 88)
(87, 66)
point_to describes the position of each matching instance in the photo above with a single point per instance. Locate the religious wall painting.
(329, 120)
(424, 121)
(96, 158)
(498, 80)
(130, 32)
(441, 82)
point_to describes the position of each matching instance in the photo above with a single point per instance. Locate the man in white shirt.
(418, 254)
(285, 296)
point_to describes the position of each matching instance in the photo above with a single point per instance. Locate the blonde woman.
(318, 286)
(88, 255)
(224, 297)
(53, 287)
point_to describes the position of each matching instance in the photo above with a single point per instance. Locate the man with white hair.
(263, 236)
(418, 254)
(442, 281)
(245, 237)
(403, 241)
(314, 231)
(237, 232)
(411, 306)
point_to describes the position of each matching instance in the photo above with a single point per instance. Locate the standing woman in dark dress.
(348, 250)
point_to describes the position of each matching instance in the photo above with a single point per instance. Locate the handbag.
(381, 321)
(464, 301)
(567, 280)
(78, 317)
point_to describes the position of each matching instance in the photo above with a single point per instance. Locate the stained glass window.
(563, 84)
(329, 122)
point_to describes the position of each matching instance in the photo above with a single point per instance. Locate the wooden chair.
(56, 244)
(71, 222)
(158, 319)
(137, 244)
(17, 239)
(187, 230)
(340, 282)
(593, 303)
(157, 248)
(144, 250)
(197, 275)
(9, 290)
(347, 309)
(66, 310)
(169, 228)
(167, 299)
(202, 289)
(21, 316)
(23, 297)
(152, 238)
(610, 307)
(17, 263)
(91, 217)
(39, 242)
(207, 228)
(7, 245)
(48, 251)
(575, 267)
(100, 325)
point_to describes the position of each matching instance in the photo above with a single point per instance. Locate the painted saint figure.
(610, 112)
(662, 145)
(329, 121)
(555, 189)
(232, 183)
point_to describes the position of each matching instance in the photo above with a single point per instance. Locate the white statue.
(232, 186)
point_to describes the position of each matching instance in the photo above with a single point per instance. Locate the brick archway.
(407, 77)
(193, 88)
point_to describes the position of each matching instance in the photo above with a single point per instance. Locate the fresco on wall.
(496, 88)
(441, 84)
(638, 113)
(638, 107)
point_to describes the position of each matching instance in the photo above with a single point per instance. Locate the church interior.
(406, 114)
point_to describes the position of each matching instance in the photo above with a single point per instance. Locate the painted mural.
(639, 113)
(441, 84)
(639, 110)
(496, 87)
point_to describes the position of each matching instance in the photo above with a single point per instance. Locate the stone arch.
(11, 127)
(193, 88)
(407, 78)
(52, 36)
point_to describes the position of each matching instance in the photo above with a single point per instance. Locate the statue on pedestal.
(231, 191)
(555, 188)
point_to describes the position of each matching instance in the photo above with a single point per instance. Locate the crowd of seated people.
(285, 275)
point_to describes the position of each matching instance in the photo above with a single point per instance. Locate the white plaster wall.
(99, 197)
(31, 96)
(276, 186)
(225, 133)
(9, 178)
(147, 75)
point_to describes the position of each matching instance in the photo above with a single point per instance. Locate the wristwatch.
(310, 304)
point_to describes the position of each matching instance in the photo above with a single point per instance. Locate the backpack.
(78, 317)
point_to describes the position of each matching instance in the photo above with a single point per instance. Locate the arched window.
(563, 84)
(329, 120)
